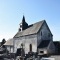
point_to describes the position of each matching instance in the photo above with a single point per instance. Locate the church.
(36, 37)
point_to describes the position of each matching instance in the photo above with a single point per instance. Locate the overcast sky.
(12, 11)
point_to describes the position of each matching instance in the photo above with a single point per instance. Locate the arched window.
(41, 33)
(30, 47)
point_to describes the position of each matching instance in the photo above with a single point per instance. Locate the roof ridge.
(39, 21)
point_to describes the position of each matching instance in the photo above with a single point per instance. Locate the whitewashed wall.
(45, 33)
(26, 40)
(32, 39)
(10, 49)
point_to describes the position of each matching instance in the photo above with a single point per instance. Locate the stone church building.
(36, 37)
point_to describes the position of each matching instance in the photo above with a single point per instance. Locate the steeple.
(23, 19)
(23, 24)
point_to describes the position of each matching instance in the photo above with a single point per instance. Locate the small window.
(41, 51)
(30, 47)
(41, 33)
(19, 29)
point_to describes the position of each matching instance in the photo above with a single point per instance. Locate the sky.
(12, 11)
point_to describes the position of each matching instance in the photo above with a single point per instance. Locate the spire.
(23, 19)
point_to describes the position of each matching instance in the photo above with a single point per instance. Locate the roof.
(44, 44)
(57, 44)
(9, 42)
(32, 29)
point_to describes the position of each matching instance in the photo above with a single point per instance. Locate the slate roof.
(34, 28)
(44, 44)
(9, 42)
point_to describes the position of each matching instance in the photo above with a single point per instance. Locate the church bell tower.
(23, 25)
